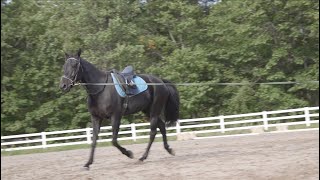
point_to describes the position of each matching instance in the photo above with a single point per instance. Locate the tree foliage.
(180, 40)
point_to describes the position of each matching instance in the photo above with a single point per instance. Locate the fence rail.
(263, 120)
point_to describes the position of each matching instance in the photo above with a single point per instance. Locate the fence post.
(43, 139)
(133, 132)
(88, 133)
(222, 127)
(178, 127)
(307, 115)
(265, 120)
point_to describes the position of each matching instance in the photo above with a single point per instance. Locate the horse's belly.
(138, 103)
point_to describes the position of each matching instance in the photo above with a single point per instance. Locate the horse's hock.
(186, 136)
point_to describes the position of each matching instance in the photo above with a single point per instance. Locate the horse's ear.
(79, 52)
(66, 55)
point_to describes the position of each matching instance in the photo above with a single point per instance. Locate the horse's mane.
(88, 66)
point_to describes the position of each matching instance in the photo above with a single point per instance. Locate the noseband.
(77, 71)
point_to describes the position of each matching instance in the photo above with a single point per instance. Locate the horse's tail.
(171, 112)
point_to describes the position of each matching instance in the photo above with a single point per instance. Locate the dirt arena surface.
(278, 156)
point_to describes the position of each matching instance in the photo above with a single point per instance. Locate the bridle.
(73, 81)
(76, 74)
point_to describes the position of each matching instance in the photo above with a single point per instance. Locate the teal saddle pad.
(140, 83)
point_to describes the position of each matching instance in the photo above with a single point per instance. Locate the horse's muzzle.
(66, 83)
(65, 86)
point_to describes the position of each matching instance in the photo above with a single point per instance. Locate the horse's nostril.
(63, 86)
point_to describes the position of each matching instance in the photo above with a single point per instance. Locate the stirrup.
(131, 84)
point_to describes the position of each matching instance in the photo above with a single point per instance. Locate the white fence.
(266, 121)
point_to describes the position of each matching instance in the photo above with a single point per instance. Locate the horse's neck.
(93, 75)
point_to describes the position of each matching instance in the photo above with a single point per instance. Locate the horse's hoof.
(172, 152)
(130, 154)
(142, 158)
(138, 162)
(86, 168)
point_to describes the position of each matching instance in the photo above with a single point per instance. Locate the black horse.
(104, 102)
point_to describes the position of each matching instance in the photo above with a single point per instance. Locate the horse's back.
(150, 78)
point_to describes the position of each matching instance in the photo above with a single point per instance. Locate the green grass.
(226, 133)
(50, 149)
(302, 126)
(270, 129)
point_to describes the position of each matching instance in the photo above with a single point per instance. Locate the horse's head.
(71, 73)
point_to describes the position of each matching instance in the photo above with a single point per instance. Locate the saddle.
(128, 75)
(126, 80)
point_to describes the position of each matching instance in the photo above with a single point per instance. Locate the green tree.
(182, 41)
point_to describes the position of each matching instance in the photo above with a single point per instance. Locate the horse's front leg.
(96, 124)
(153, 132)
(115, 120)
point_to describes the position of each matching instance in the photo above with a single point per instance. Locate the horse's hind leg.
(153, 132)
(115, 130)
(162, 128)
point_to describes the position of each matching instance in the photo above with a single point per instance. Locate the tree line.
(187, 41)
